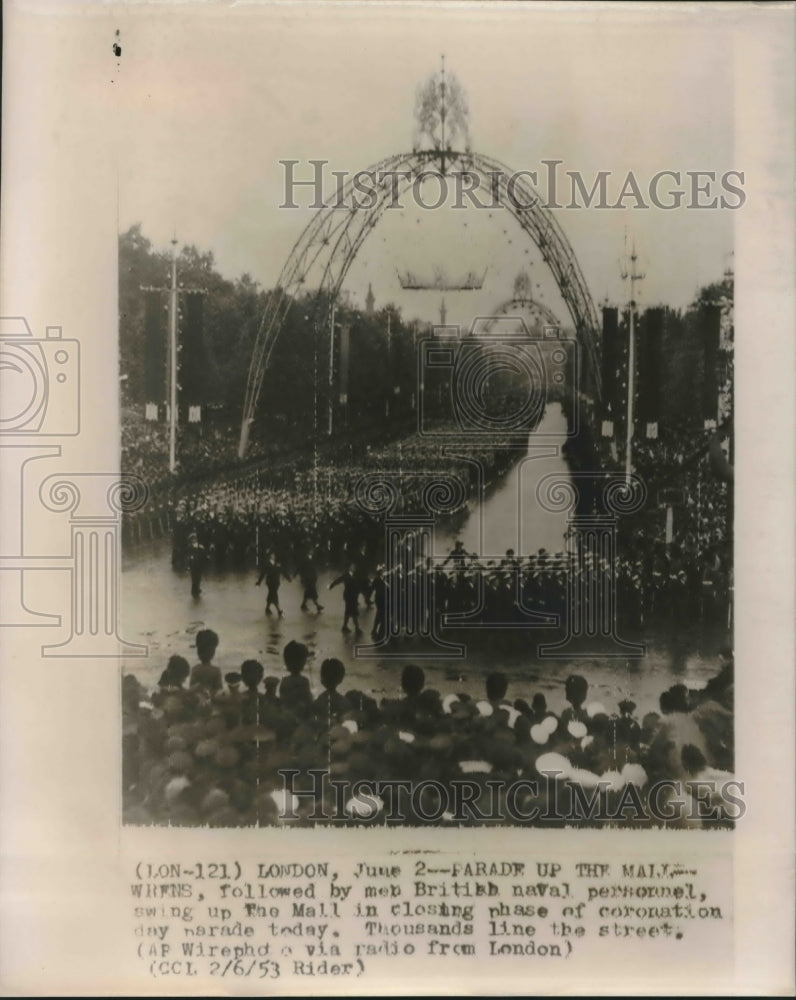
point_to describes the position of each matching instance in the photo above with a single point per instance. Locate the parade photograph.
(427, 406)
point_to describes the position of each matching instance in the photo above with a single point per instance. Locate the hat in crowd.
(540, 734)
(550, 723)
(227, 756)
(364, 806)
(464, 708)
(613, 781)
(634, 774)
(554, 764)
(441, 743)
(586, 779)
(206, 748)
(448, 702)
(513, 715)
(286, 802)
(181, 761)
(215, 800)
(475, 767)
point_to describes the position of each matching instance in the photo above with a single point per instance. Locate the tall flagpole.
(631, 363)
(389, 366)
(331, 371)
(173, 365)
(173, 360)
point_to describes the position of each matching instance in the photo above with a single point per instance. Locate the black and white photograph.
(441, 360)
(396, 476)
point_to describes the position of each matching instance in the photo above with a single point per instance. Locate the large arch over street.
(335, 235)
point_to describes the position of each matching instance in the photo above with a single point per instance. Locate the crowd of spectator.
(245, 748)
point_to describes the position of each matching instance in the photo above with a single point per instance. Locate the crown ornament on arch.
(441, 115)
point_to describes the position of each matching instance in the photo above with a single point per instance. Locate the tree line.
(382, 369)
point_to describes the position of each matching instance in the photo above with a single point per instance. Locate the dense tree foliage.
(383, 371)
(295, 394)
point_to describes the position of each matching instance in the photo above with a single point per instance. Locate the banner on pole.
(193, 355)
(154, 347)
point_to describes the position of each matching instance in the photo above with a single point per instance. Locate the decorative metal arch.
(333, 237)
(516, 305)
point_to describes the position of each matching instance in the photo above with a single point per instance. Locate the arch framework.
(516, 305)
(332, 239)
